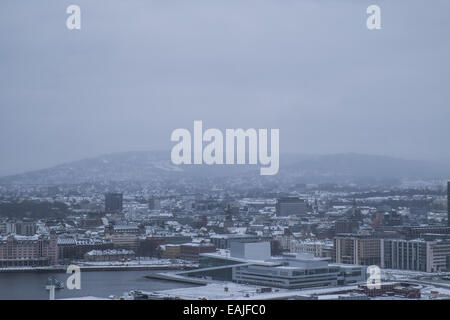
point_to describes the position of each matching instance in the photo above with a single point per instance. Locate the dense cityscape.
(301, 241)
(218, 159)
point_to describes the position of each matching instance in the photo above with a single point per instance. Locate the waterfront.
(30, 286)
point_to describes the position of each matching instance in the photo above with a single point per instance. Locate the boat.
(52, 281)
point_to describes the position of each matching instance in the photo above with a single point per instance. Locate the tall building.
(448, 203)
(26, 228)
(154, 204)
(404, 254)
(287, 206)
(417, 254)
(357, 249)
(346, 226)
(22, 228)
(113, 202)
(437, 253)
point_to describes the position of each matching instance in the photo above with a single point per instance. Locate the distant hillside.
(147, 165)
(362, 166)
(123, 166)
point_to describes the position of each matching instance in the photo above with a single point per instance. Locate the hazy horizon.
(434, 161)
(139, 69)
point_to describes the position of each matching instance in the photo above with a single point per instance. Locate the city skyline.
(237, 151)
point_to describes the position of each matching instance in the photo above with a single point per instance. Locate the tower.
(448, 203)
(113, 202)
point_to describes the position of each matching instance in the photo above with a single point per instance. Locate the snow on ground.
(85, 298)
(147, 262)
(211, 291)
(234, 291)
(394, 274)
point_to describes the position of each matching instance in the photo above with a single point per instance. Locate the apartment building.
(357, 249)
(37, 250)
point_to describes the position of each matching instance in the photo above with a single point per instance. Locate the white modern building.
(251, 263)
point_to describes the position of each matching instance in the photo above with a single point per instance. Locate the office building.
(448, 203)
(154, 204)
(23, 228)
(223, 241)
(357, 249)
(404, 254)
(37, 250)
(346, 226)
(437, 253)
(417, 255)
(113, 202)
(287, 206)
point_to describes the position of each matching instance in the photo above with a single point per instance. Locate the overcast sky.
(137, 70)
